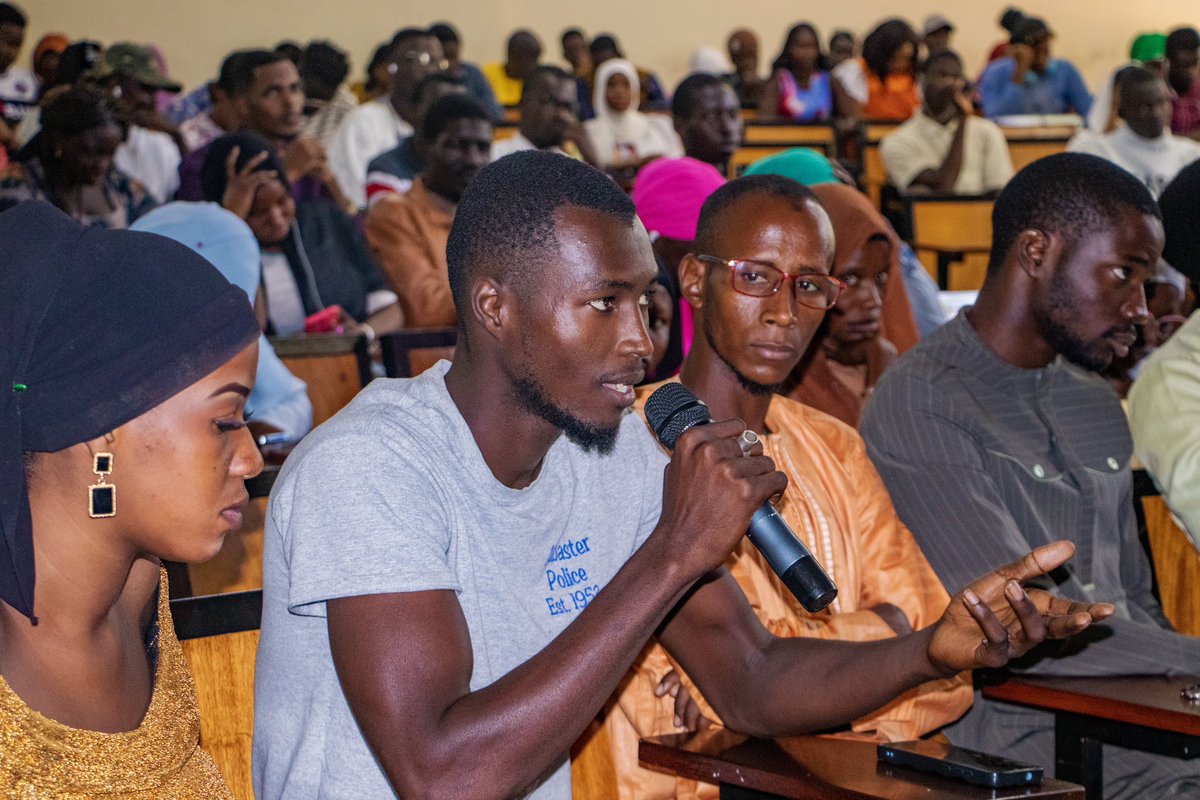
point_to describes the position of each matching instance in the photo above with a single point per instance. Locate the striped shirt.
(985, 461)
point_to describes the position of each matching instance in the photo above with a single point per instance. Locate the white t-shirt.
(364, 133)
(1154, 162)
(392, 495)
(18, 94)
(285, 308)
(151, 158)
(922, 143)
(517, 144)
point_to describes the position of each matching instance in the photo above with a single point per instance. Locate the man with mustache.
(995, 435)
(408, 232)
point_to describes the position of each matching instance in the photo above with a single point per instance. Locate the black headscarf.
(214, 175)
(99, 327)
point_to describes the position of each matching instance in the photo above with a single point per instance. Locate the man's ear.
(692, 274)
(491, 305)
(1034, 250)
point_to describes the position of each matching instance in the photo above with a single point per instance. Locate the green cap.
(800, 164)
(1149, 47)
(134, 61)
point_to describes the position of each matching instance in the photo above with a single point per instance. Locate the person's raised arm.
(405, 659)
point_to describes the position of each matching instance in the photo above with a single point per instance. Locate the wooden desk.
(1139, 713)
(950, 228)
(813, 768)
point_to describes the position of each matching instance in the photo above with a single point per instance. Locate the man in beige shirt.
(408, 232)
(946, 149)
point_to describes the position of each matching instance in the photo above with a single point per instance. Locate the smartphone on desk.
(971, 766)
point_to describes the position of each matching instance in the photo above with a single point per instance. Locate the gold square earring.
(102, 498)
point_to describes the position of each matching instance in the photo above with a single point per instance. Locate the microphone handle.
(790, 559)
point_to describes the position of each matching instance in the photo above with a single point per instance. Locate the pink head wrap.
(668, 194)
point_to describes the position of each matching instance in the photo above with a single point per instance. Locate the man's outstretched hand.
(995, 620)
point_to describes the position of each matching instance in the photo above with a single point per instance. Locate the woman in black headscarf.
(125, 363)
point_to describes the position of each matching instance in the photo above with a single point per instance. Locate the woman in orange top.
(882, 84)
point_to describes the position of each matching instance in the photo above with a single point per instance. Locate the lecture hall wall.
(660, 34)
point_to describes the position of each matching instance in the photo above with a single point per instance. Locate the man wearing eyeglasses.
(759, 285)
(549, 118)
(378, 126)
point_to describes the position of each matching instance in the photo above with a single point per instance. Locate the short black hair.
(941, 55)
(1131, 78)
(378, 58)
(841, 35)
(1180, 204)
(1066, 193)
(729, 193)
(429, 81)
(290, 49)
(506, 216)
(1182, 39)
(226, 74)
(605, 42)
(449, 109)
(11, 15)
(570, 33)
(1010, 18)
(243, 68)
(325, 63)
(74, 110)
(444, 32)
(1027, 29)
(687, 94)
(883, 42)
(541, 77)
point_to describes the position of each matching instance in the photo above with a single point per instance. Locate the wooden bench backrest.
(410, 352)
(334, 367)
(1176, 566)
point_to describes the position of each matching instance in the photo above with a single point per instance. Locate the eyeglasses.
(760, 279)
(422, 57)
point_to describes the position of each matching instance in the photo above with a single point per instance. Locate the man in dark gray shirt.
(992, 439)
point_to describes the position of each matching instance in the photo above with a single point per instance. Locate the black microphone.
(673, 409)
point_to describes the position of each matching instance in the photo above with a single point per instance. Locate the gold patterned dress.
(41, 758)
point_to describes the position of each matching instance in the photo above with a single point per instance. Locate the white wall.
(1095, 34)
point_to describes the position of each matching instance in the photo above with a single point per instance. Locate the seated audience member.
(549, 118)
(471, 76)
(392, 171)
(268, 96)
(754, 335)
(507, 78)
(141, 394)
(70, 162)
(46, 53)
(811, 169)
(1183, 76)
(279, 400)
(994, 435)
(842, 47)
(327, 101)
(799, 87)
(945, 148)
(1148, 50)
(408, 233)
(1165, 399)
(852, 348)
(76, 61)
(575, 52)
(745, 80)
(417, 641)
(651, 96)
(1029, 81)
(1009, 19)
(706, 117)
(1143, 145)
(151, 150)
(18, 86)
(623, 138)
(379, 125)
(935, 35)
(667, 196)
(710, 60)
(313, 254)
(881, 84)
(222, 116)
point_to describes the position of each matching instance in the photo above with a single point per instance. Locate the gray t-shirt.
(393, 495)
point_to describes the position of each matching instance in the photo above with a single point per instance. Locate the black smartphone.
(971, 766)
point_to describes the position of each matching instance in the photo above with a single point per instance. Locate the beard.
(751, 386)
(1053, 327)
(533, 398)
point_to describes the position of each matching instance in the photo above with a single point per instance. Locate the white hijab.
(611, 128)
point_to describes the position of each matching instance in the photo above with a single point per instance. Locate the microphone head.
(672, 410)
